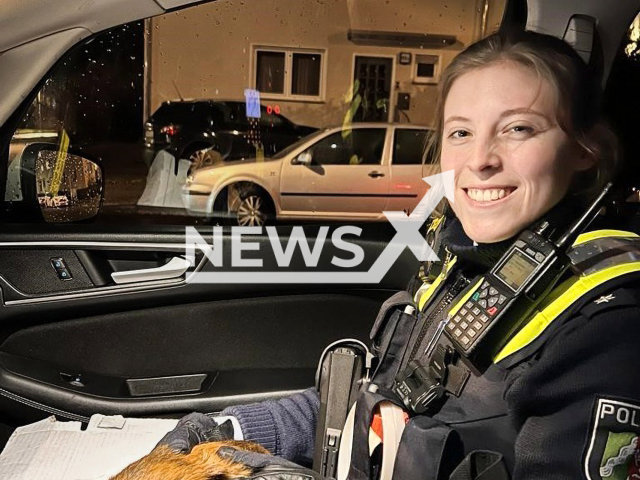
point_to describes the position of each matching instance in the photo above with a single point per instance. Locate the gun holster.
(343, 368)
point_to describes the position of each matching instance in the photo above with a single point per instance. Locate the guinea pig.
(202, 463)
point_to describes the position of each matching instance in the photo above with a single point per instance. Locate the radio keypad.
(471, 320)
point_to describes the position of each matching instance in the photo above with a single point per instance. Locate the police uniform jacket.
(565, 404)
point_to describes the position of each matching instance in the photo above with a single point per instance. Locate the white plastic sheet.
(53, 450)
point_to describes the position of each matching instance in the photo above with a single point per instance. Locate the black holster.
(341, 373)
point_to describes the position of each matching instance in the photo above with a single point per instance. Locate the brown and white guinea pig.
(202, 463)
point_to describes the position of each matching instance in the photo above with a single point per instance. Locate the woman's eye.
(522, 129)
(459, 134)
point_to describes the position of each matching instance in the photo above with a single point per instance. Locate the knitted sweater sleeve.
(285, 427)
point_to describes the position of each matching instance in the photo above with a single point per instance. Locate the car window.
(308, 140)
(409, 146)
(223, 84)
(622, 107)
(350, 147)
(174, 112)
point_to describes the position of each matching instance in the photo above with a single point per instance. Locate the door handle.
(176, 267)
(376, 174)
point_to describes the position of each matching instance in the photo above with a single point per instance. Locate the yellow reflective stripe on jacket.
(436, 283)
(463, 300)
(596, 234)
(563, 296)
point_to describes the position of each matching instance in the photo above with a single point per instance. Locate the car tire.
(203, 156)
(252, 207)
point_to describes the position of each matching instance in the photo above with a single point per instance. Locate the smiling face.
(512, 161)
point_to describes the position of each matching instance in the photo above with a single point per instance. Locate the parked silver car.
(352, 173)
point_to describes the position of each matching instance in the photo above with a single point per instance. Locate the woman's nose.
(485, 156)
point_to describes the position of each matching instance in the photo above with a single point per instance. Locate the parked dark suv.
(200, 129)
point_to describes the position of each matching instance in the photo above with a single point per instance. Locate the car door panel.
(406, 187)
(106, 355)
(406, 152)
(335, 190)
(336, 184)
(157, 348)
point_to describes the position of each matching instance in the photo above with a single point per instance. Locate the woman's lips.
(488, 195)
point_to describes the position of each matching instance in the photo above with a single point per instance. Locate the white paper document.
(53, 450)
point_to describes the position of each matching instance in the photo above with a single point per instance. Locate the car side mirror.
(64, 186)
(304, 158)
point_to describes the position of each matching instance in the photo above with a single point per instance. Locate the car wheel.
(204, 157)
(253, 207)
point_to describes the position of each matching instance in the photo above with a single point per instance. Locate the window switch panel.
(61, 269)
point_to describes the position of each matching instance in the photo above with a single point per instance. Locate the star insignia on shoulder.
(605, 299)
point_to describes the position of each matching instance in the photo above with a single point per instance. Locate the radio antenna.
(583, 222)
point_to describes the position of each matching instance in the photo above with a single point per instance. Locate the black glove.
(268, 467)
(193, 429)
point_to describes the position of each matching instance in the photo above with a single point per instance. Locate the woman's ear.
(585, 159)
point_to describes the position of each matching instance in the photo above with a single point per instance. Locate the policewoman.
(557, 395)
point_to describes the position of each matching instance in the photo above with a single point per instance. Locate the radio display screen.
(516, 270)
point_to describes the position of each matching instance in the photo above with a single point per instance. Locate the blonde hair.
(576, 86)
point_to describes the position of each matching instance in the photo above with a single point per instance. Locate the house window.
(270, 72)
(426, 69)
(289, 73)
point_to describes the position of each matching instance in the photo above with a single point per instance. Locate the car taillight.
(170, 130)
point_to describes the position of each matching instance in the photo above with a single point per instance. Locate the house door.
(372, 81)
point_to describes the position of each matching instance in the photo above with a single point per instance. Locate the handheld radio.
(495, 305)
